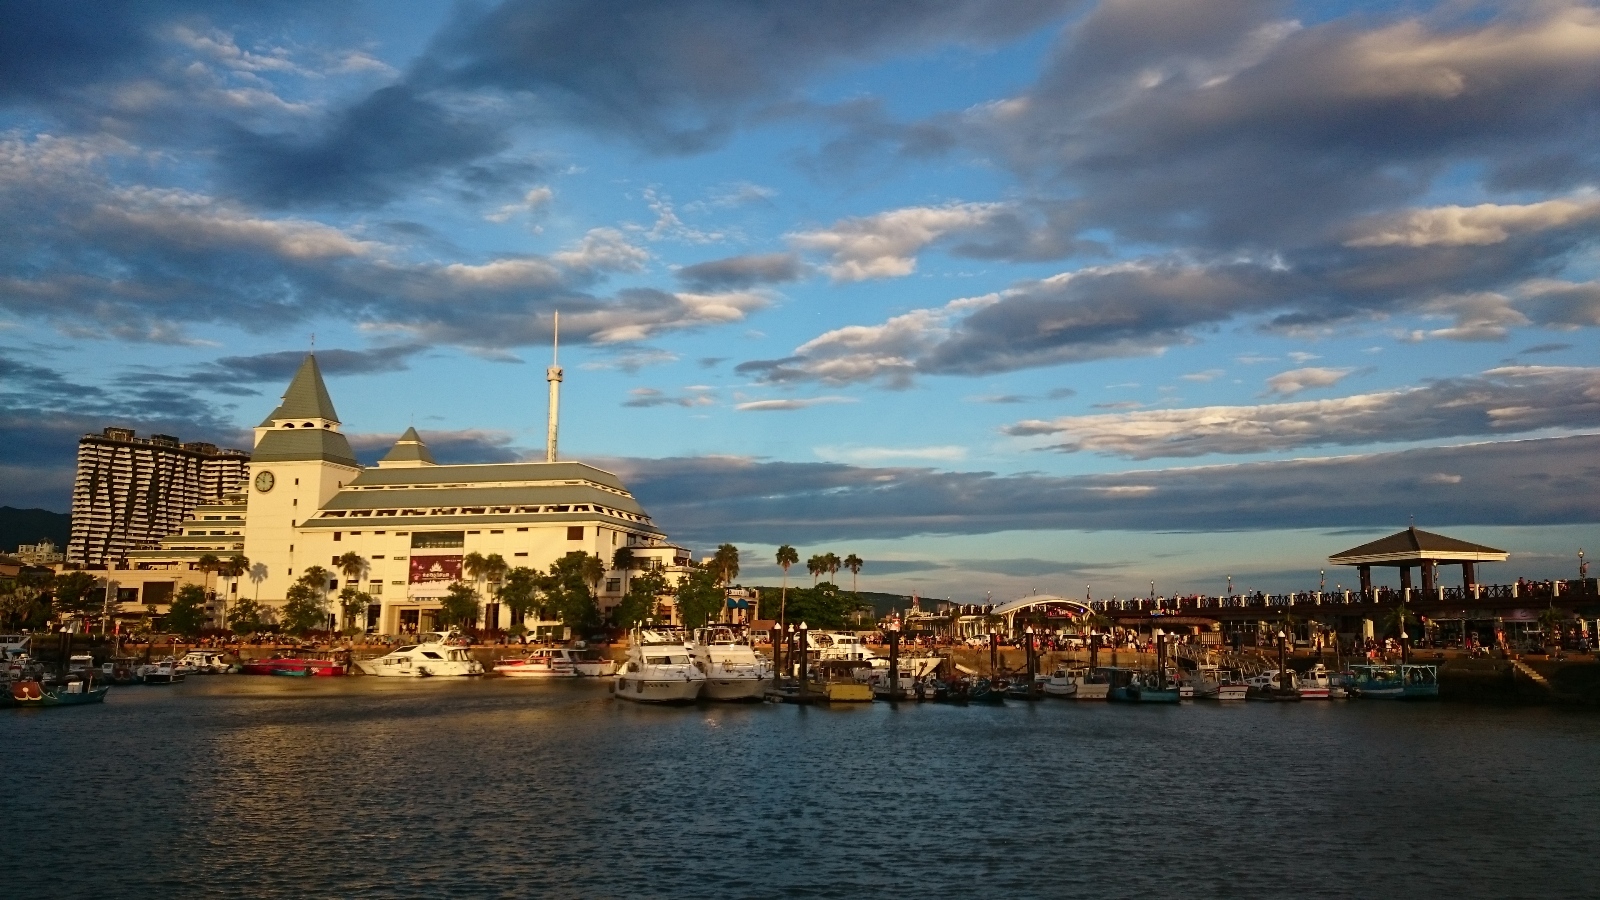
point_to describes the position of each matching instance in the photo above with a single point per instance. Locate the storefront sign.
(432, 569)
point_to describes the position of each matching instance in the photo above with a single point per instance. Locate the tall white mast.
(553, 375)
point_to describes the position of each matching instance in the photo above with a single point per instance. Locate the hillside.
(28, 526)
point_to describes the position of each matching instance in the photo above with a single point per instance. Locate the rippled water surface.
(262, 787)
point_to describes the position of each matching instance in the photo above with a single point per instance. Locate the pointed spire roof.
(408, 451)
(307, 397)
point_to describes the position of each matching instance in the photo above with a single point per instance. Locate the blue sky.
(1107, 292)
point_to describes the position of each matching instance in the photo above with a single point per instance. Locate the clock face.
(265, 481)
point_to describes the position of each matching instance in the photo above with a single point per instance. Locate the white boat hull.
(1063, 691)
(648, 690)
(1092, 692)
(532, 672)
(734, 688)
(598, 669)
(430, 670)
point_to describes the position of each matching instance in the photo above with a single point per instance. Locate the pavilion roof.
(1413, 546)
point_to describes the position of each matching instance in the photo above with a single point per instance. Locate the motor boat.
(541, 662)
(588, 663)
(842, 645)
(1061, 685)
(1315, 683)
(204, 662)
(1273, 684)
(1131, 686)
(732, 669)
(293, 667)
(1092, 685)
(79, 663)
(163, 672)
(437, 654)
(1394, 682)
(660, 669)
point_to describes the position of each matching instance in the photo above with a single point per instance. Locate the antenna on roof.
(553, 375)
(313, 342)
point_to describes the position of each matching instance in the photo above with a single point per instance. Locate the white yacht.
(164, 672)
(1318, 684)
(659, 669)
(842, 645)
(204, 662)
(435, 655)
(732, 669)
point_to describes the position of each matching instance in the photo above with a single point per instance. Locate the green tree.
(75, 594)
(519, 592)
(187, 614)
(304, 610)
(494, 571)
(1551, 621)
(460, 606)
(474, 565)
(569, 591)
(816, 565)
(639, 603)
(234, 568)
(786, 557)
(823, 606)
(246, 617)
(23, 604)
(701, 597)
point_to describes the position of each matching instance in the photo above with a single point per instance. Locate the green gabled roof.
(307, 397)
(296, 444)
(409, 448)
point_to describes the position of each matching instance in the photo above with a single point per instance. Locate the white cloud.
(1297, 380)
(533, 201)
(886, 245)
(790, 404)
(1507, 400)
(947, 453)
(1207, 375)
(603, 250)
(1486, 223)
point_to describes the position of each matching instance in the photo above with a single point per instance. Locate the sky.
(1003, 296)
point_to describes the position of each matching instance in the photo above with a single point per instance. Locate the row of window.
(485, 510)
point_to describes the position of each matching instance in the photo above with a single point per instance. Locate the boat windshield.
(666, 660)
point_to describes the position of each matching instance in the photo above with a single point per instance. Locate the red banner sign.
(430, 569)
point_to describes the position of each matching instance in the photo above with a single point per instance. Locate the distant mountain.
(28, 526)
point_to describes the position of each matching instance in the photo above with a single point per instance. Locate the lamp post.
(802, 652)
(1283, 661)
(994, 652)
(1033, 661)
(1161, 659)
(894, 661)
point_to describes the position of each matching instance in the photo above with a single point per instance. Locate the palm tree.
(726, 562)
(1398, 619)
(237, 566)
(351, 565)
(854, 564)
(787, 556)
(622, 561)
(831, 563)
(816, 565)
(1551, 620)
(474, 566)
(495, 569)
(316, 578)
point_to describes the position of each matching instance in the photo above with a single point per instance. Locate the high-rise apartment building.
(131, 491)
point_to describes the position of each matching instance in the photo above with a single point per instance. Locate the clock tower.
(300, 461)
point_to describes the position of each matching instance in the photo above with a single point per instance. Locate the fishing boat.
(1061, 685)
(1274, 684)
(541, 662)
(732, 669)
(659, 669)
(1213, 683)
(1315, 683)
(1406, 681)
(1091, 685)
(26, 693)
(437, 655)
(75, 693)
(1132, 686)
(983, 690)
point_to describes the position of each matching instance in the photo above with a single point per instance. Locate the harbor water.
(366, 787)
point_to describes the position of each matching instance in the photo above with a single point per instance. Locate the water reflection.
(386, 788)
